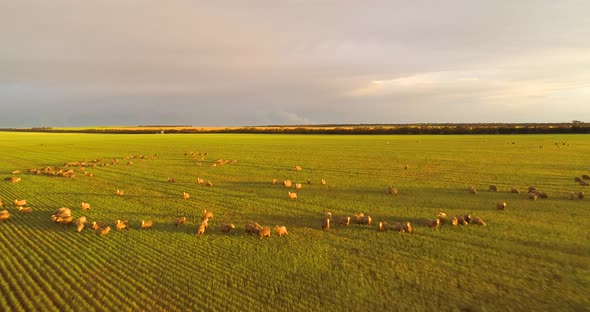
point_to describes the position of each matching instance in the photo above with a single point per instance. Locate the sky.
(260, 62)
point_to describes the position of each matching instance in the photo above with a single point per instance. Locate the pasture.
(534, 255)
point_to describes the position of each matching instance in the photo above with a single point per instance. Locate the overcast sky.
(233, 63)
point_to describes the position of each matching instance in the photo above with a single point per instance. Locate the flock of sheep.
(64, 215)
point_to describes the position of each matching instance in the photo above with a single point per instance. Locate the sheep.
(23, 210)
(205, 223)
(209, 183)
(581, 195)
(443, 217)
(328, 215)
(16, 172)
(172, 180)
(297, 186)
(281, 230)
(406, 167)
(200, 180)
(493, 188)
(577, 179)
(264, 232)
(121, 225)
(407, 227)
(367, 220)
(19, 203)
(501, 206)
(471, 190)
(13, 179)
(292, 195)
(344, 221)
(64, 220)
(455, 221)
(358, 217)
(179, 221)
(147, 224)
(461, 220)
(585, 177)
(533, 196)
(478, 221)
(398, 227)
(207, 214)
(4, 215)
(326, 224)
(97, 225)
(297, 168)
(274, 181)
(85, 206)
(226, 228)
(572, 195)
(287, 183)
(432, 223)
(582, 182)
(392, 191)
(514, 190)
(532, 189)
(88, 174)
(308, 181)
(103, 231)
(185, 195)
(252, 227)
(119, 192)
(201, 230)
(323, 182)
(80, 222)
(467, 218)
(542, 194)
(63, 216)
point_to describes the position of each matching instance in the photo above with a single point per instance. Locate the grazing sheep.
(121, 225)
(581, 195)
(585, 177)
(4, 215)
(501, 206)
(455, 221)
(323, 182)
(64, 220)
(207, 214)
(308, 181)
(572, 195)
(328, 215)
(13, 179)
(533, 196)
(443, 217)
(392, 191)
(19, 203)
(147, 224)
(88, 174)
(461, 220)
(344, 221)
(264, 232)
(297, 168)
(478, 221)
(467, 218)
(432, 223)
(367, 220)
(172, 180)
(226, 228)
(252, 227)
(281, 230)
(80, 224)
(542, 194)
(119, 193)
(383, 226)
(200, 181)
(209, 183)
(407, 227)
(287, 183)
(97, 225)
(493, 188)
(179, 221)
(85, 206)
(201, 230)
(398, 227)
(205, 223)
(514, 190)
(292, 195)
(16, 172)
(185, 195)
(472, 190)
(103, 231)
(23, 210)
(297, 186)
(326, 224)
(274, 181)
(358, 217)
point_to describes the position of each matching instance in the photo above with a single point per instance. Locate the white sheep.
(281, 230)
(147, 224)
(292, 195)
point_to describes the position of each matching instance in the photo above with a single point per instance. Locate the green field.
(533, 256)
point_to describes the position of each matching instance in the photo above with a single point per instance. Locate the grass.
(534, 255)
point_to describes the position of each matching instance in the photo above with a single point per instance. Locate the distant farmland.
(534, 255)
